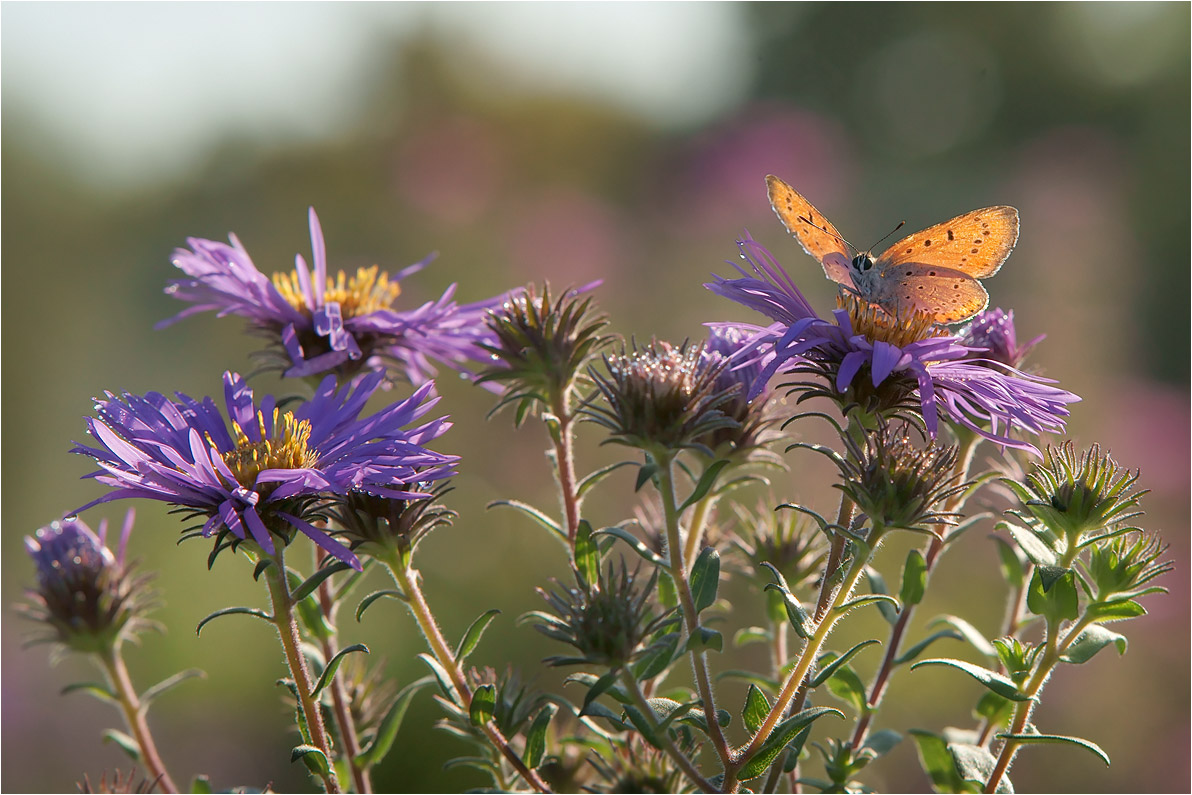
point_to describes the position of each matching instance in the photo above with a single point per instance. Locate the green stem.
(844, 517)
(668, 745)
(287, 631)
(565, 465)
(695, 533)
(134, 716)
(699, 662)
(407, 580)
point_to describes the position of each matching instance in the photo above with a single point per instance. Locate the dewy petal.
(324, 541)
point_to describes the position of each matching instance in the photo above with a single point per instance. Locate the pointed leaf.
(168, 684)
(975, 764)
(472, 637)
(848, 687)
(314, 759)
(829, 667)
(656, 657)
(332, 664)
(969, 633)
(600, 474)
(126, 743)
(1052, 594)
(532, 512)
(587, 554)
(367, 601)
(441, 676)
(1091, 641)
(747, 635)
(633, 541)
(783, 733)
(643, 725)
(262, 564)
(914, 578)
(936, 761)
(229, 611)
(387, 730)
(882, 742)
(921, 646)
(313, 581)
(706, 481)
(1036, 550)
(536, 736)
(877, 584)
(1042, 739)
(1011, 564)
(705, 578)
(644, 475)
(92, 688)
(704, 638)
(756, 708)
(1116, 611)
(484, 703)
(597, 688)
(996, 682)
(868, 599)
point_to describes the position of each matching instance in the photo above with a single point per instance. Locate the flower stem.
(287, 631)
(134, 716)
(565, 464)
(668, 745)
(699, 662)
(844, 516)
(339, 699)
(407, 580)
(695, 533)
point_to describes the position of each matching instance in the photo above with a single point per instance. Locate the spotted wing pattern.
(813, 231)
(976, 243)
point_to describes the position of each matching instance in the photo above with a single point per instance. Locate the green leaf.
(127, 744)
(996, 682)
(994, 709)
(750, 677)
(1052, 594)
(706, 481)
(587, 554)
(1116, 611)
(532, 512)
(827, 665)
(974, 763)
(92, 688)
(645, 474)
(314, 759)
(1011, 564)
(705, 578)
(313, 581)
(969, 633)
(882, 742)
(1044, 739)
(367, 601)
(656, 657)
(1036, 550)
(748, 635)
(484, 703)
(704, 638)
(936, 761)
(441, 676)
(596, 689)
(598, 710)
(914, 578)
(634, 542)
(229, 611)
(643, 725)
(700, 721)
(536, 736)
(201, 785)
(387, 730)
(600, 474)
(921, 646)
(168, 684)
(262, 564)
(848, 687)
(783, 733)
(332, 664)
(1091, 641)
(756, 708)
(868, 599)
(472, 637)
(877, 584)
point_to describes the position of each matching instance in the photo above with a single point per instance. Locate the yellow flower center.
(368, 291)
(878, 325)
(288, 449)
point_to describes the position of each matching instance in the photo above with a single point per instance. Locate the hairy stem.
(565, 465)
(287, 632)
(407, 580)
(134, 717)
(361, 778)
(695, 533)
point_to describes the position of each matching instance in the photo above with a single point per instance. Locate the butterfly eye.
(862, 262)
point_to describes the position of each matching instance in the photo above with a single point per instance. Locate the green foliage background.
(877, 112)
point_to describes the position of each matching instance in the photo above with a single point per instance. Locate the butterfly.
(934, 271)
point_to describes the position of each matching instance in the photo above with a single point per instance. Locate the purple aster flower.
(325, 322)
(871, 358)
(85, 594)
(737, 357)
(275, 471)
(993, 332)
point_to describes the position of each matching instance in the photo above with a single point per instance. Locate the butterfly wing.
(976, 243)
(814, 232)
(948, 295)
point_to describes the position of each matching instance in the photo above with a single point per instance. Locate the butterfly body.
(934, 271)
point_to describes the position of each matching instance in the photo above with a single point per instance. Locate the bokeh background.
(568, 142)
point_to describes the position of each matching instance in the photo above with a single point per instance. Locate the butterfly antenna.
(892, 231)
(829, 233)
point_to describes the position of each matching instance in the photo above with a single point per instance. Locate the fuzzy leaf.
(587, 554)
(600, 474)
(868, 599)
(387, 730)
(313, 581)
(536, 736)
(332, 664)
(484, 703)
(168, 684)
(95, 689)
(996, 682)
(314, 759)
(969, 633)
(1041, 739)
(975, 764)
(1116, 610)
(367, 601)
(704, 638)
(1036, 550)
(472, 637)
(706, 481)
(127, 744)
(757, 706)
(634, 542)
(936, 761)
(848, 687)
(229, 611)
(532, 512)
(1011, 565)
(921, 646)
(830, 662)
(656, 657)
(1052, 594)
(1091, 641)
(783, 733)
(914, 578)
(705, 578)
(882, 742)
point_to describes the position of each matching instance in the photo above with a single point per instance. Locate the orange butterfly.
(934, 271)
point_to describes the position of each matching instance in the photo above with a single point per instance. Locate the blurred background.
(569, 142)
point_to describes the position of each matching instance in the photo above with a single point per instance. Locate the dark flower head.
(120, 783)
(1120, 567)
(610, 624)
(661, 398)
(899, 484)
(1070, 499)
(993, 333)
(376, 525)
(539, 348)
(272, 473)
(787, 540)
(86, 595)
(316, 321)
(880, 363)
